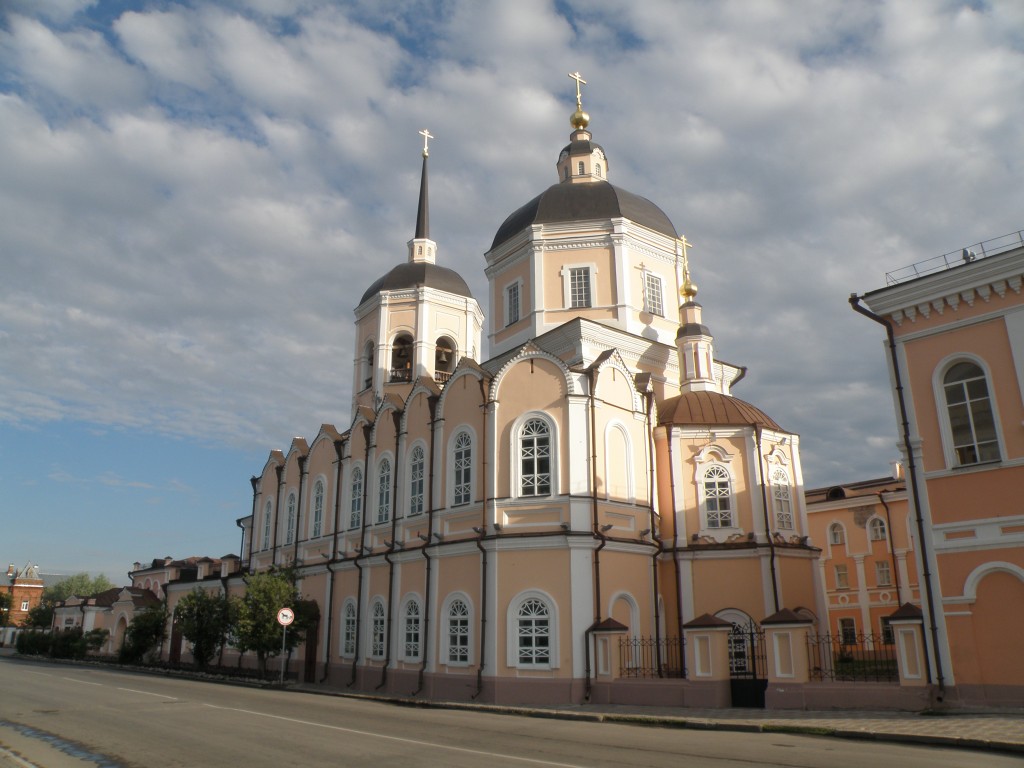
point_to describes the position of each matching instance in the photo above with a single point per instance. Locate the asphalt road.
(59, 716)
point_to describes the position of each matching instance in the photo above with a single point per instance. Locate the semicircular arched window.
(972, 422)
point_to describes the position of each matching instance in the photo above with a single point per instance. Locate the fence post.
(707, 662)
(786, 634)
(908, 631)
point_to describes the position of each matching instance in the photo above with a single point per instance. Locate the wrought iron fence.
(652, 657)
(852, 658)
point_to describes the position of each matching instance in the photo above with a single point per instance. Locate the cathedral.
(483, 523)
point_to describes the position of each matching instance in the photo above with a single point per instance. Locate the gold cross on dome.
(426, 137)
(686, 259)
(579, 81)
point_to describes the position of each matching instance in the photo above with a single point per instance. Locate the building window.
(458, 632)
(384, 491)
(971, 420)
(717, 487)
(512, 304)
(289, 534)
(377, 621)
(876, 529)
(348, 630)
(24, 605)
(579, 287)
(781, 499)
(652, 295)
(888, 637)
(368, 365)
(848, 631)
(401, 358)
(883, 573)
(266, 527)
(355, 518)
(842, 577)
(836, 534)
(411, 634)
(318, 508)
(580, 168)
(533, 627)
(463, 469)
(416, 469)
(597, 170)
(535, 458)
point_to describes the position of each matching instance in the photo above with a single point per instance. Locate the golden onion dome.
(579, 119)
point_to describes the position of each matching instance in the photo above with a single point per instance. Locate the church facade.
(481, 523)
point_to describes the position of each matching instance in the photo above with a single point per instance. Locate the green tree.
(81, 584)
(147, 630)
(5, 608)
(204, 620)
(40, 616)
(255, 627)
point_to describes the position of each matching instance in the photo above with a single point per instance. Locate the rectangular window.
(348, 646)
(412, 631)
(848, 631)
(579, 287)
(888, 638)
(463, 469)
(883, 573)
(458, 640)
(652, 295)
(24, 605)
(842, 577)
(512, 304)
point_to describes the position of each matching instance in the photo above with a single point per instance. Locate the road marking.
(147, 693)
(83, 682)
(397, 738)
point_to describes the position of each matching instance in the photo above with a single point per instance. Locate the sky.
(194, 196)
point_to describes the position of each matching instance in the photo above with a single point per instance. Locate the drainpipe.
(912, 474)
(479, 544)
(359, 554)
(649, 399)
(595, 532)
(397, 417)
(432, 403)
(279, 471)
(298, 511)
(767, 521)
(338, 450)
(254, 481)
(675, 553)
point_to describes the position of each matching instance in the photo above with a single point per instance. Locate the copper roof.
(712, 408)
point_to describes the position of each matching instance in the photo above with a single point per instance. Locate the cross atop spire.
(426, 137)
(579, 119)
(579, 81)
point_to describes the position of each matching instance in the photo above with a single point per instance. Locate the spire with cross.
(580, 119)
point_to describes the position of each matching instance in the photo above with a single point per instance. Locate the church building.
(484, 525)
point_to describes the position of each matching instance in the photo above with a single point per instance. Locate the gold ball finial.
(579, 119)
(689, 290)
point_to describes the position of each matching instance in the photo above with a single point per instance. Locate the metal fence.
(652, 657)
(852, 658)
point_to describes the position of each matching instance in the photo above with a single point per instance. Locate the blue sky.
(196, 194)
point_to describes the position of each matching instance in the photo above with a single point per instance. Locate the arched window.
(377, 622)
(411, 630)
(368, 365)
(597, 170)
(444, 359)
(458, 632)
(533, 631)
(289, 535)
(836, 534)
(416, 470)
(580, 168)
(266, 527)
(717, 487)
(463, 469)
(356, 507)
(781, 499)
(318, 508)
(384, 491)
(348, 630)
(876, 529)
(971, 419)
(535, 458)
(401, 358)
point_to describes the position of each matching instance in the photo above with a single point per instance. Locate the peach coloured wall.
(986, 645)
(604, 284)
(956, 498)
(733, 582)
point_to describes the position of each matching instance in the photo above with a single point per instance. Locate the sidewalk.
(1001, 731)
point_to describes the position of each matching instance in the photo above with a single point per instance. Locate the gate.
(748, 666)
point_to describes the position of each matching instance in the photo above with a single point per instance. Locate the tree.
(204, 620)
(147, 630)
(81, 584)
(5, 608)
(255, 627)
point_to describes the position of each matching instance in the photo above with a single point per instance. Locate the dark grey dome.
(580, 202)
(415, 274)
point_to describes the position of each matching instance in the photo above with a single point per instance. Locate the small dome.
(713, 408)
(415, 274)
(581, 202)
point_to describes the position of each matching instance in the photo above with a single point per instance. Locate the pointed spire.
(694, 341)
(421, 247)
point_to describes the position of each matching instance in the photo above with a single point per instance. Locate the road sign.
(285, 616)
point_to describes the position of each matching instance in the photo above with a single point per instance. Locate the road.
(59, 716)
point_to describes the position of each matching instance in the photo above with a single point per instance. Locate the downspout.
(359, 554)
(397, 417)
(675, 552)
(432, 402)
(649, 398)
(767, 520)
(912, 474)
(595, 532)
(298, 511)
(338, 449)
(279, 471)
(480, 546)
(255, 481)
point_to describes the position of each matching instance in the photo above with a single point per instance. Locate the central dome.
(416, 274)
(583, 202)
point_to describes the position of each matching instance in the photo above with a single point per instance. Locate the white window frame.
(319, 495)
(719, 470)
(290, 506)
(446, 645)
(842, 575)
(883, 567)
(409, 650)
(513, 635)
(566, 274)
(416, 485)
(355, 505)
(376, 629)
(268, 513)
(517, 286)
(24, 604)
(384, 492)
(942, 407)
(836, 534)
(517, 455)
(349, 622)
(653, 280)
(460, 493)
(877, 530)
(627, 471)
(782, 500)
